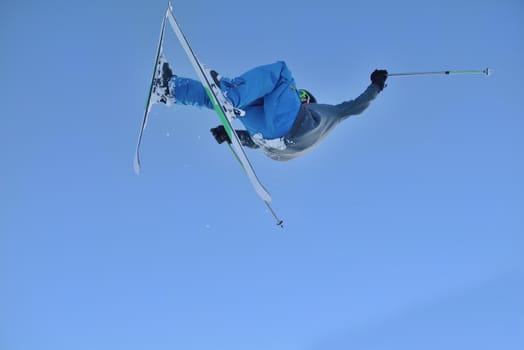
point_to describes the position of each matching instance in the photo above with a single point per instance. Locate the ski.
(225, 111)
(137, 165)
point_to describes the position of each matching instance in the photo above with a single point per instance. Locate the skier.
(282, 120)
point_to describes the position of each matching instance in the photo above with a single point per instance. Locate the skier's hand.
(220, 134)
(378, 77)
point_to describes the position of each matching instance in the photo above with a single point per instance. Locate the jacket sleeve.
(359, 104)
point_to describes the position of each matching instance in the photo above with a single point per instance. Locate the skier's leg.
(256, 83)
(189, 92)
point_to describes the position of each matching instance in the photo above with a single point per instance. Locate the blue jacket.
(275, 119)
(266, 93)
(268, 96)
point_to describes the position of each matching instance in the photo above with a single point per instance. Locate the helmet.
(306, 96)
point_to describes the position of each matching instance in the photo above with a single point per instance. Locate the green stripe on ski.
(225, 123)
(221, 114)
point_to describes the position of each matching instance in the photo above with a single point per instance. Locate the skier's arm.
(358, 105)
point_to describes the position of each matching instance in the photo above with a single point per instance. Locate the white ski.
(225, 111)
(159, 50)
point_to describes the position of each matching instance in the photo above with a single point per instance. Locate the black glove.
(378, 77)
(220, 134)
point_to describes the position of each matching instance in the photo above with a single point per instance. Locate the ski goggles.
(306, 97)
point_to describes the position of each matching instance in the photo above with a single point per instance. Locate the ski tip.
(136, 166)
(280, 223)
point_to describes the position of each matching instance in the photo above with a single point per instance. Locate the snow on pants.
(266, 93)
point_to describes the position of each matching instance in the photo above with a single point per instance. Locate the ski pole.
(486, 72)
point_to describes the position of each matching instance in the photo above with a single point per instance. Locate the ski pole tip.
(488, 71)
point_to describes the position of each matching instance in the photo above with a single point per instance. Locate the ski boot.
(216, 77)
(163, 74)
(216, 80)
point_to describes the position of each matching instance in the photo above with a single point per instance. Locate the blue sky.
(403, 230)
